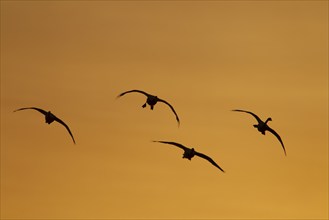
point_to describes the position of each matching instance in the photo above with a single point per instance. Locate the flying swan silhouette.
(50, 117)
(189, 153)
(262, 127)
(151, 100)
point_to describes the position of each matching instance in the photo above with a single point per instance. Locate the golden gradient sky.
(205, 58)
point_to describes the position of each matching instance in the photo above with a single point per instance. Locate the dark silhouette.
(189, 153)
(50, 117)
(262, 126)
(151, 100)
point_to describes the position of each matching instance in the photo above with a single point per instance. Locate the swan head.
(267, 120)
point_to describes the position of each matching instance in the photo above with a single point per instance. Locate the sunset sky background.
(205, 58)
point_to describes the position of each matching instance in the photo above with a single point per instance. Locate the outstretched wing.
(278, 137)
(173, 143)
(135, 90)
(38, 109)
(172, 108)
(257, 118)
(209, 159)
(67, 127)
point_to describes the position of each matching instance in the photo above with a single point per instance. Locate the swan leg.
(144, 105)
(152, 106)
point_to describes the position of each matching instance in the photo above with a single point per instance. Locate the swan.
(189, 153)
(262, 127)
(50, 117)
(151, 100)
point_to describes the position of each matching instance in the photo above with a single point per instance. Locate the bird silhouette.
(189, 153)
(262, 127)
(152, 100)
(50, 117)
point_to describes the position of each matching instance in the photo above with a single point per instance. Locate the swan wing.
(278, 137)
(134, 90)
(65, 125)
(173, 143)
(38, 109)
(253, 114)
(209, 159)
(172, 108)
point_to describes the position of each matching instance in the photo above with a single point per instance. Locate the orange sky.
(205, 58)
